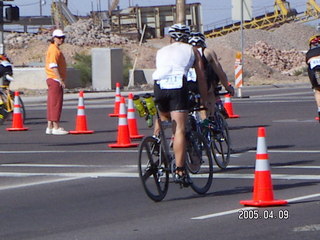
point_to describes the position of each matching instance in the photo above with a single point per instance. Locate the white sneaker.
(59, 131)
(49, 131)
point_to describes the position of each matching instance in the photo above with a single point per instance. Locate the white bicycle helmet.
(197, 39)
(179, 32)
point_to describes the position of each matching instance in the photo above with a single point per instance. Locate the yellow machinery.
(282, 14)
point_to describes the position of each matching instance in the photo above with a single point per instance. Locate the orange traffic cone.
(132, 121)
(228, 106)
(123, 138)
(81, 120)
(17, 122)
(262, 189)
(116, 102)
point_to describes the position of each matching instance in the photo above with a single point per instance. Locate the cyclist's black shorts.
(172, 99)
(314, 82)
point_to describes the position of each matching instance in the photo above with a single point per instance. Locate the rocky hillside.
(271, 57)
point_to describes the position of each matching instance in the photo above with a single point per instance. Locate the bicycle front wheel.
(153, 169)
(199, 163)
(220, 142)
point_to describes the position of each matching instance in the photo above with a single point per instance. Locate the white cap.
(58, 33)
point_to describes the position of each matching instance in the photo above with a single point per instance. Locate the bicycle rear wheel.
(153, 169)
(220, 142)
(199, 163)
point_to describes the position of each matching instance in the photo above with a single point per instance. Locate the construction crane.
(282, 14)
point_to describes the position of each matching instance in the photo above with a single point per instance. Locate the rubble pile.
(280, 60)
(82, 33)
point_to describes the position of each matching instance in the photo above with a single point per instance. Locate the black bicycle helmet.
(197, 39)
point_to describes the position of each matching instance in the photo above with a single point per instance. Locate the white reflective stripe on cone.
(262, 165)
(80, 112)
(261, 145)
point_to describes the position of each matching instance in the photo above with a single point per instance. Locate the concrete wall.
(107, 68)
(142, 76)
(35, 78)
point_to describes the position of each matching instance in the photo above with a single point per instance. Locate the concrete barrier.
(35, 78)
(142, 76)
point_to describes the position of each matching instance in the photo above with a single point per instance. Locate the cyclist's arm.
(212, 58)
(201, 79)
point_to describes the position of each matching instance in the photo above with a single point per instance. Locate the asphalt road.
(76, 187)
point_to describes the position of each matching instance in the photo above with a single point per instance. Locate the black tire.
(199, 163)
(153, 169)
(220, 142)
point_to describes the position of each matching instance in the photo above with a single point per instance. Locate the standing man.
(313, 61)
(56, 70)
(171, 91)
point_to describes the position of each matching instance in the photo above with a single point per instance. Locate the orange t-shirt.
(55, 59)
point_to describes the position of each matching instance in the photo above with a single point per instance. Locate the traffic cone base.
(81, 132)
(262, 186)
(261, 203)
(17, 129)
(113, 115)
(17, 119)
(123, 145)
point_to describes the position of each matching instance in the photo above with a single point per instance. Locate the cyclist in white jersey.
(171, 92)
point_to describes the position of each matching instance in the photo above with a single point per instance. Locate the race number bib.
(192, 76)
(172, 82)
(314, 62)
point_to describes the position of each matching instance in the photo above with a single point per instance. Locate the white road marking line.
(237, 210)
(36, 183)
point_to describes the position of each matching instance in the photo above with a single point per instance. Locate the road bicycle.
(156, 163)
(7, 104)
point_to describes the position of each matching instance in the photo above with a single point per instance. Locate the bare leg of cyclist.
(163, 117)
(317, 97)
(179, 143)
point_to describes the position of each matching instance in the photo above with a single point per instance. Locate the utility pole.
(181, 11)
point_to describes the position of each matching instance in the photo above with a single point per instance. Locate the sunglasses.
(61, 37)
